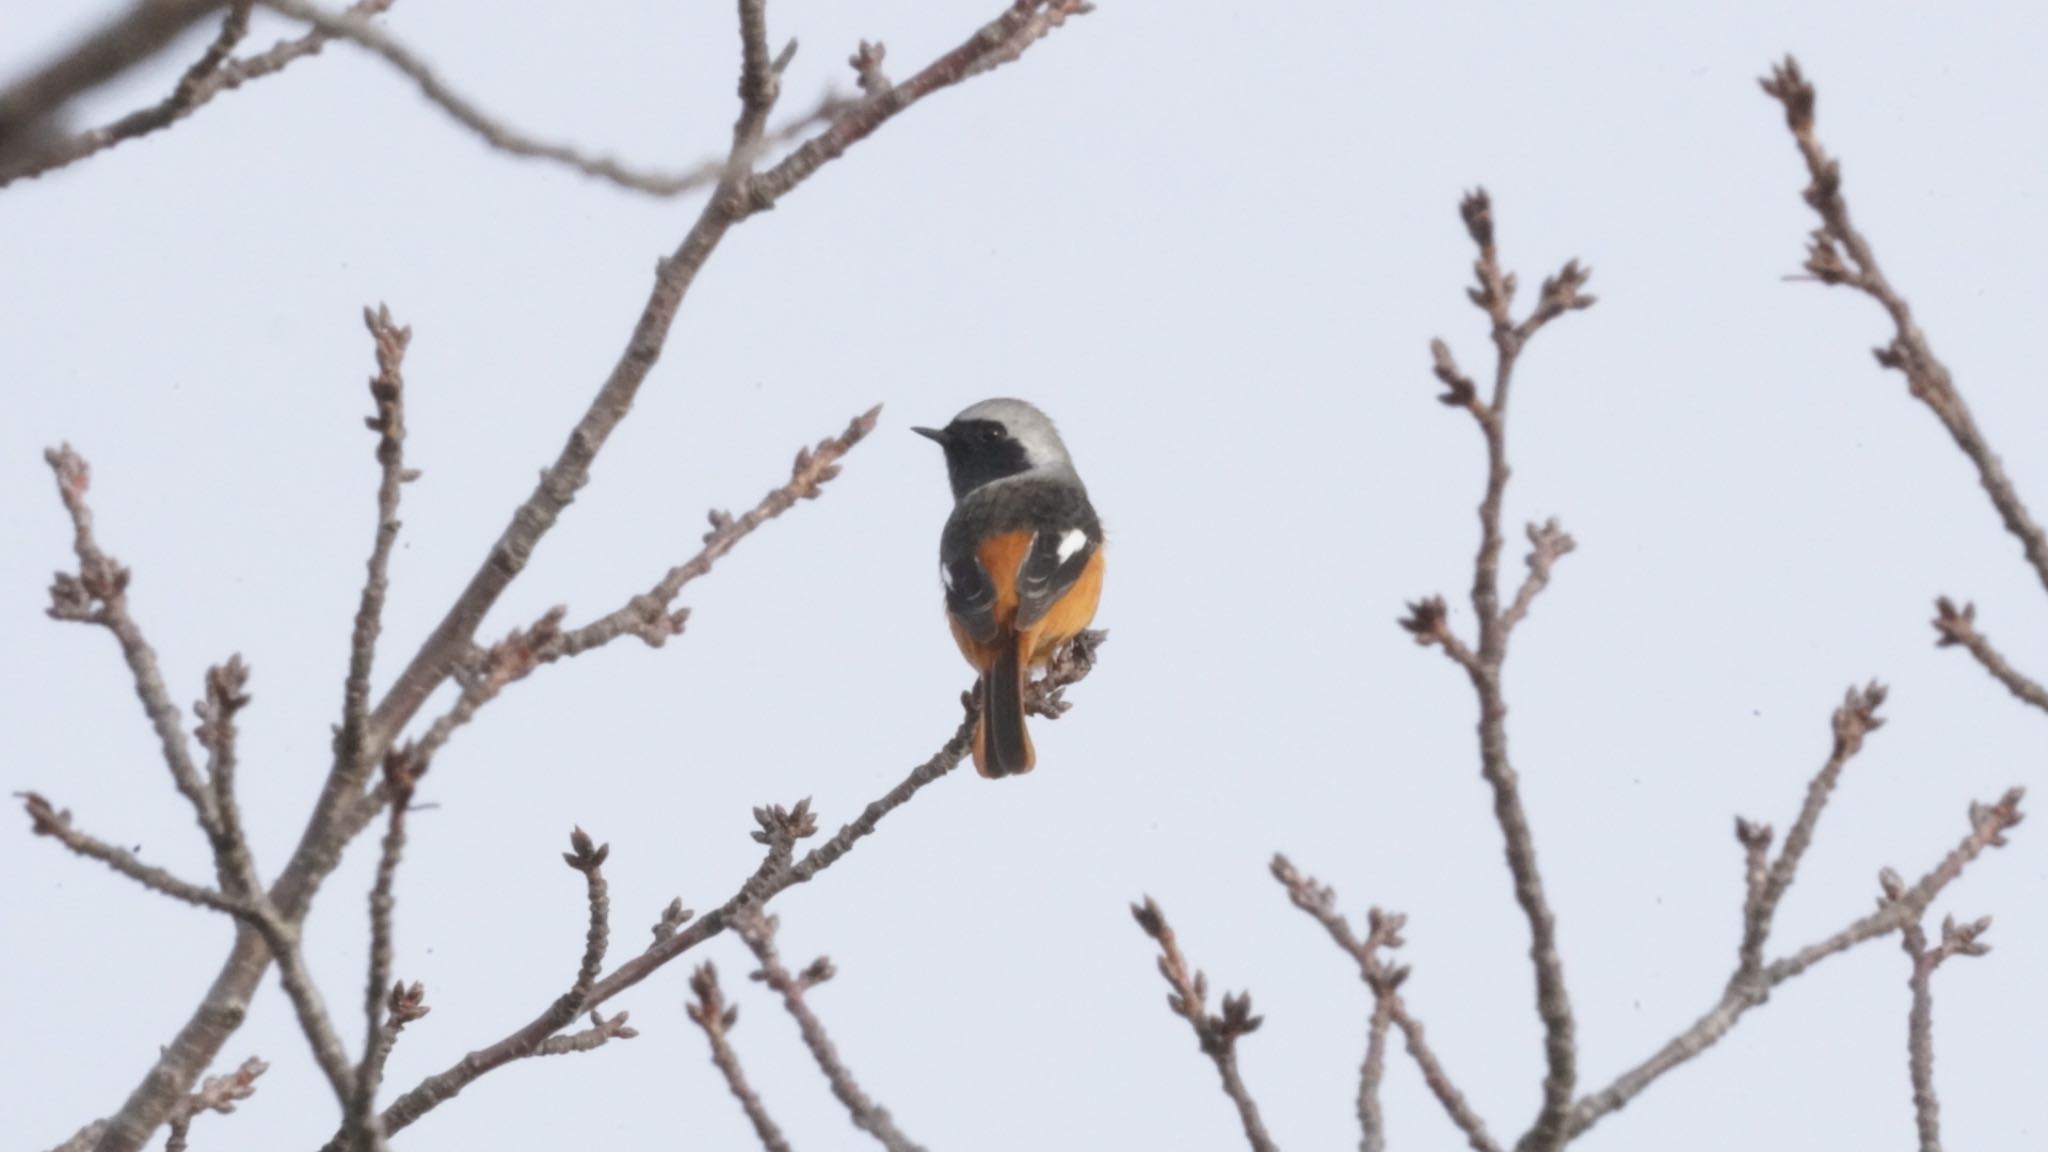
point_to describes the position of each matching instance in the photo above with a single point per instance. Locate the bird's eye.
(992, 433)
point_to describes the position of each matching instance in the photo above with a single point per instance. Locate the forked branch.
(1384, 978)
(1428, 621)
(758, 930)
(1216, 1032)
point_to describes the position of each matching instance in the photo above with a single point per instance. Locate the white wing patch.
(1072, 542)
(946, 577)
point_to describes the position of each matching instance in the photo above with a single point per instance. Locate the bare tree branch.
(28, 106)
(47, 820)
(1839, 254)
(602, 1031)
(1216, 1033)
(1958, 626)
(717, 1018)
(1384, 978)
(1956, 940)
(351, 26)
(98, 594)
(1428, 622)
(387, 394)
(758, 930)
(194, 88)
(647, 616)
(1547, 543)
(213, 74)
(1854, 720)
(1988, 826)
(780, 829)
(588, 857)
(387, 1007)
(218, 1094)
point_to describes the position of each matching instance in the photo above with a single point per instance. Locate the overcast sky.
(1213, 241)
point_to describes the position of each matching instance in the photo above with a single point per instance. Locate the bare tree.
(383, 746)
(1568, 1109)
(379, 753)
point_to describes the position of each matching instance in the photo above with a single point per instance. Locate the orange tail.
(1001, 745)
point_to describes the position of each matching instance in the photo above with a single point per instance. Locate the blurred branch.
(1838, 254)
(758, 930)
(1956, 940)
(503, 137)
(717, 1018)
(1988, 826)
(30, 104)
(1384, 978)
(1217, 1034)
(1958, 626)
(212, 74)
(1428, 622)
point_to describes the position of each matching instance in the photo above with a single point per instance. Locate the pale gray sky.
(1213, 240)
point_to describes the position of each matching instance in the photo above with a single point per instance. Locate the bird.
(1021, 560)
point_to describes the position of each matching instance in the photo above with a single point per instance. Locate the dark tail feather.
(1001, 745)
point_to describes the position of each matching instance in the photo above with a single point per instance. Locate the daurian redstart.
(1021, 560)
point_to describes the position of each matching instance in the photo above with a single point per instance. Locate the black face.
(978, 451)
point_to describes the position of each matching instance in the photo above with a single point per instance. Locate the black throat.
(978, 453)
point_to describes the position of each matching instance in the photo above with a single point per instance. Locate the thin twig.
(382, 1000)
(1956, 940)
(1958, 626)
(1428, 622)
(717, 1018)
(601, 1032)
(1988, 825)
(1839, 254)
(1851, 723)
(48, 820)
(98, 594)
(758, 930)
(503, 137)
(648, 616)
(1384, 979)
(588, 857)
(218, 1094)
(1547, 542)
(1217, 1033)
(387, 420)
